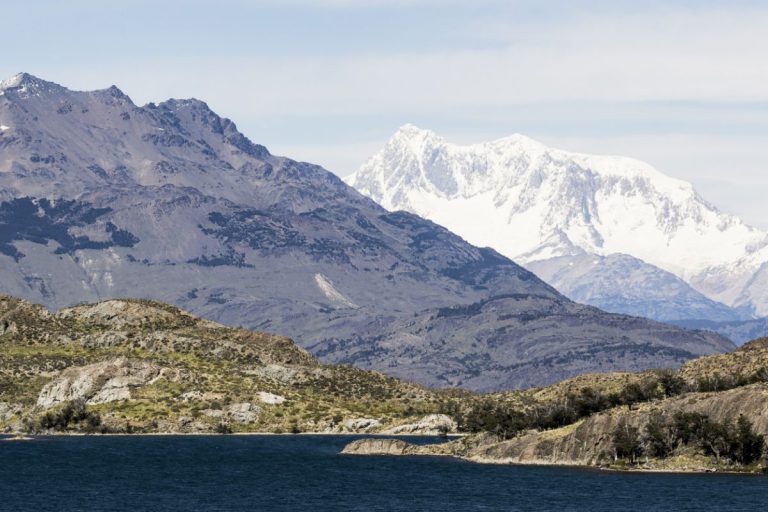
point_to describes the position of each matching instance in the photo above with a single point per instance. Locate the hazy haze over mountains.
(102, 198)
(607, 230)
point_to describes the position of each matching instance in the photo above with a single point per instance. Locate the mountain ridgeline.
(101, 198)
(606, 230)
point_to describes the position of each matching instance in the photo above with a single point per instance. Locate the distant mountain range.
(101, 198)
(609, 231)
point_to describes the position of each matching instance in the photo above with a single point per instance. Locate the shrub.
(590, 401)
(738, 443)
(497, 418)
(72, 415)
(223, 428)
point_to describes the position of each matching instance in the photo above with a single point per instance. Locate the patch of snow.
(3, 127)
(13, 81)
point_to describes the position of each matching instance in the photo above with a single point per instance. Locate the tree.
(688, 426)
(498, 418)
(716, 439)
(589, 401)
(671, 384)
(660, 438)
(626, 441)
(748, 444)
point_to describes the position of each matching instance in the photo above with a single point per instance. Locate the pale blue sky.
(681, 85)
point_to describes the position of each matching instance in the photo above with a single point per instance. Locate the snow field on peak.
(531, 203)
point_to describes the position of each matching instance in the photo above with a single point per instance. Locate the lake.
(276, 473)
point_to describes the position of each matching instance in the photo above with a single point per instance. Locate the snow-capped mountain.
(533, 203)
(101, 198)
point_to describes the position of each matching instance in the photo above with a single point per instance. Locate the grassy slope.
(206, 368)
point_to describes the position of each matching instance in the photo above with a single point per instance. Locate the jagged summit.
(17, 80)
(25, 86)
(25, 82)
(518, 146)
(114, 92)
(532, 202)
(102, 138)
(192, 103)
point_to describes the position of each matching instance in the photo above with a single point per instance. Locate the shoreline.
(26, 436)
(423, 451)
(472, 460)
(614, 469)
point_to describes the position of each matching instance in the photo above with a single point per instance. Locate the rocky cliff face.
(101, 198)
(553, 209)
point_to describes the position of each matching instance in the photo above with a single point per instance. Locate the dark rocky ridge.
(171, 202)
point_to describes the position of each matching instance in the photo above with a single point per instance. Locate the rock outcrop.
(99, 383)
(379, 447)
(244, 413)
(358, 425)
(270, 398)
(119, 314)
(432, 424)
(7, 410)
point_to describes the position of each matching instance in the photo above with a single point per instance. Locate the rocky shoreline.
(398, 447)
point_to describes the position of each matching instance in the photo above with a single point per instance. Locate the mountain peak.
(414, 139)
(194, 103)
(25, 82)
(530, 201)
(411, 130)
(115, 92)
(522, 142)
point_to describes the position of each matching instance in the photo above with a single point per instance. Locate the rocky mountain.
(622, 284)
(101, 198)
(555, 211)
(512, 341)
(739, 331)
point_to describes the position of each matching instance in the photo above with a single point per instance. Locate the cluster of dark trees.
(505, 420)
(720, 382)
(72, 415)
(735, 442)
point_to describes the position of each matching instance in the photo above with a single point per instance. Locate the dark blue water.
(291, 473)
